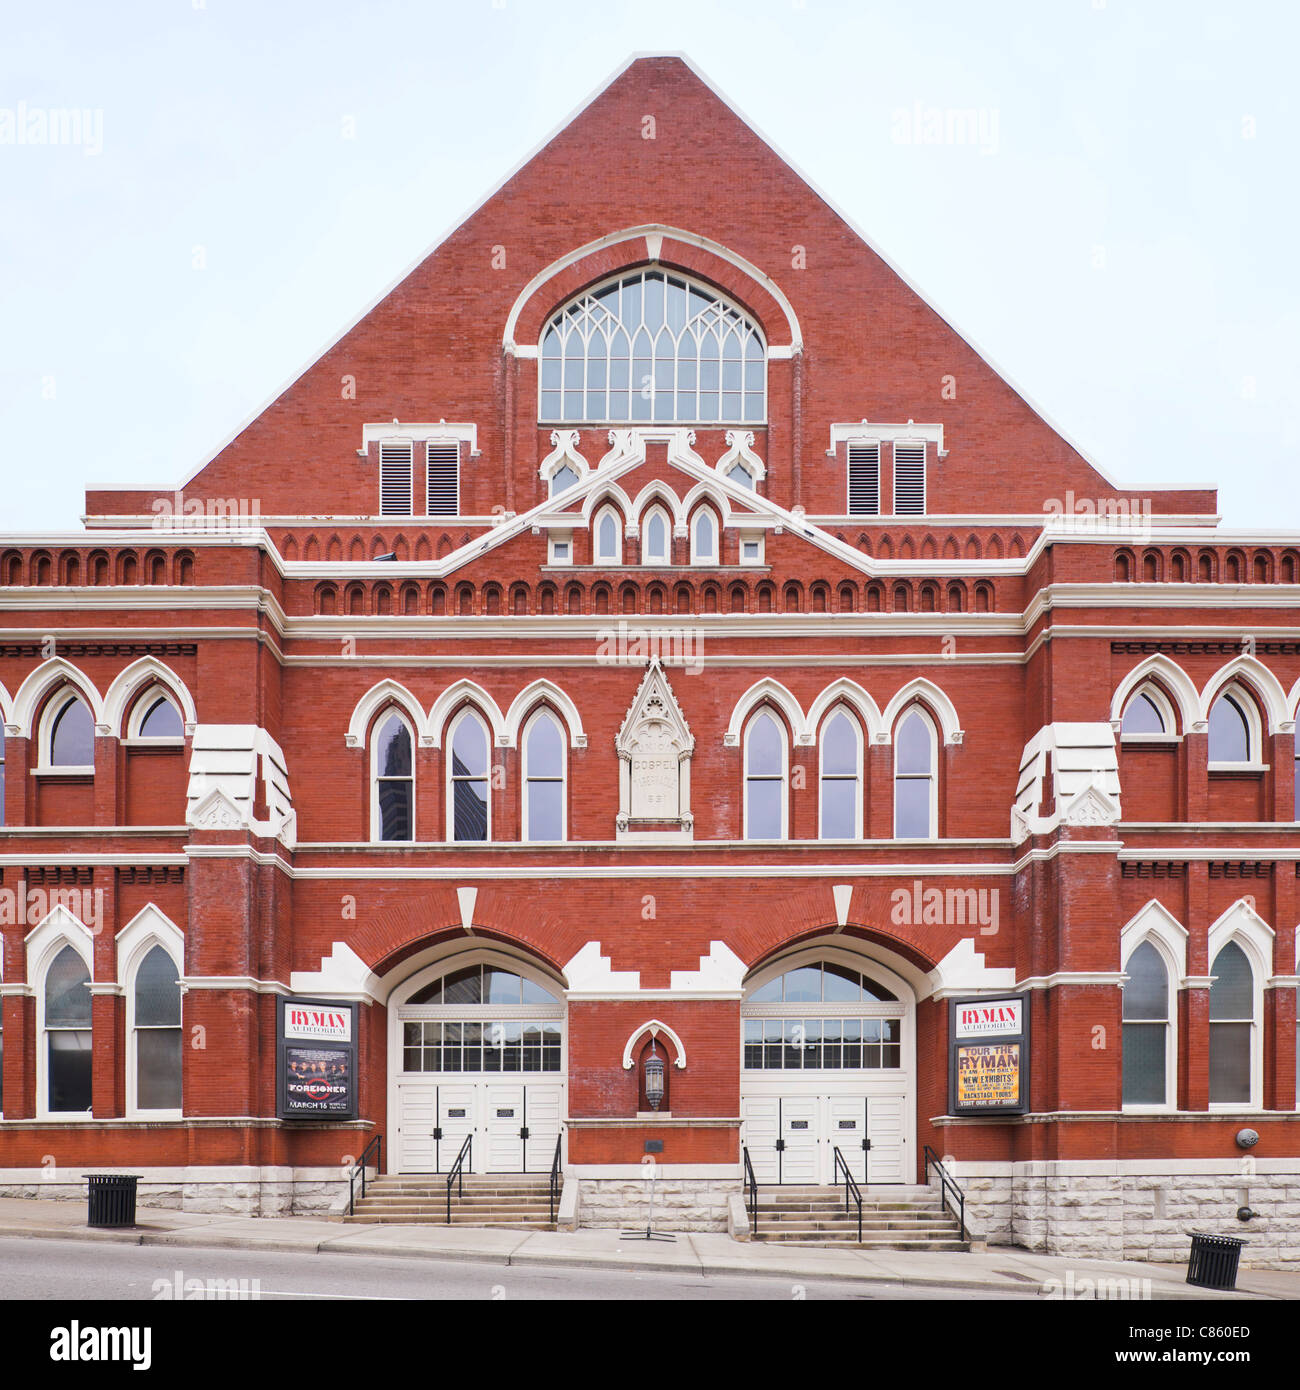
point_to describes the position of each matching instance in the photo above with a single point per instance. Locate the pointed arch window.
(155, 716)
(841, 777)
(469, 779)
(656, 537)
(1146, 715)
(1233, 1029)
(915, 779)
(563, 478)
(70, 734)
(1234, 728)
(155, 1027)
(704, 537)
(545, 816)
(393, 780)
(1148, 1033)
(765, 778)
(652, 346)
(609, 537)
(67, 1029)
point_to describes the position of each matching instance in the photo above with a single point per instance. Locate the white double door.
(792, 1133)
(514, 1123)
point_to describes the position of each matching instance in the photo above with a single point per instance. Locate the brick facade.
(286, 621)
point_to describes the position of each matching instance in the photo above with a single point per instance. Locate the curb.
(196, 1237)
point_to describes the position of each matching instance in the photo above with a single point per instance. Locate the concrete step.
(951, 1246)
(428, 1219)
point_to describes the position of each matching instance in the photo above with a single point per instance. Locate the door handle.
(866, 1146)
(437, 1134)
(523, 1133)
(780, 1146)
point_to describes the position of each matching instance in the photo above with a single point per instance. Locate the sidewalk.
(1003, 1268)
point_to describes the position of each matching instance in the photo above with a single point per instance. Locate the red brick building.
(651, 629)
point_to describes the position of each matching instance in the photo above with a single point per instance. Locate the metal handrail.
(850, 1188)
(376, 1140)
(945, 1184)
(457, 1174)
(555, 1177)
(751, 1191)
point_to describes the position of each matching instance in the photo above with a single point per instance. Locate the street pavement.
(1002, 1270)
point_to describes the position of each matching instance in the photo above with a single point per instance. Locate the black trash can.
(1213, 1262)
(112, 1199)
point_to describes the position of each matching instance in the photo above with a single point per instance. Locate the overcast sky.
(1120, 240)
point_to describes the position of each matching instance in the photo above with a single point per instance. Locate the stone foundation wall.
(680, 1204)
(319, 1192)
(1134, 1211)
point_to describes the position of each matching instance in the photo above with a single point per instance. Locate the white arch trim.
(564, 449)
(654, 1028)
(740, 450)
(149, 927)
(1292, 700)
(40, 682)
(1251, 672)
(890, 969)
(610, 494)
(413, 974)
(1171, 677)
(6, 707)
(134, 678)
(1242, 924)
(543, 692)
(767, 691)
(58, 928)
(653, 233)
(845, 692)
(464, 692)
(936, 701)
(1155, 923)
(658, 492)
(383, 693)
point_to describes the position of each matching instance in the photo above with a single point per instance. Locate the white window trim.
(555, 539)
(1256, 1101)
(544, 712)
(468, 712)
(54, 707)
(850, 715)
(44, 945)
(1163, 707)
(149, 928)
(660, 510)
(775, 715)
(697, 556)
(1244, 926)
(750, 538)
(1245, 702)
(1174, 972)
(617, 557)
(141, 707)
(935, 745)
(376, 823)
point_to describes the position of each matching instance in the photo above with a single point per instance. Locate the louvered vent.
(444, 479)
(909, 479)
(864, 479)
(395, 479)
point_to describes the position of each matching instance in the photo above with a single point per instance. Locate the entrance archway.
(828, 1061)
(476, 1048)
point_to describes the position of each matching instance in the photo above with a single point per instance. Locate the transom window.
(652, 346)
(845, 1020)
(485, 1037)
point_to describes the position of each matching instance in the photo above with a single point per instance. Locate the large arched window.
(545, 815)
(70, 733)
(652, 346)
(155, 716)
(1147, 715)
(841, 777)
(915, 782)
(831, 1017)
(155, 1025)
(469, 779)
(67, 1031)
(1234, 734)
(393, 780)
(1232, 1028)
(1147, 1028)
(765, 772)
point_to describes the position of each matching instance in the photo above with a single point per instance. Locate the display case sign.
(316, 1053)
(988, 1056)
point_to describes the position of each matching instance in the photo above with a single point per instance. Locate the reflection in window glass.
(162, 720)
(1229, 732)
(72, 739)
(469, 778)
(1142, 717)
(1146, 1024)
(68, 1032)
(158, 1033)
(1232, 1013)
(395, 780)
(544, 780)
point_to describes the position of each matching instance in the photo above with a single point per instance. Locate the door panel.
(760, 1131)
(544, 1105)
(847, 1128)
(801, 1130)
(503, 1119)
(455, 1105)
(888, 1134)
